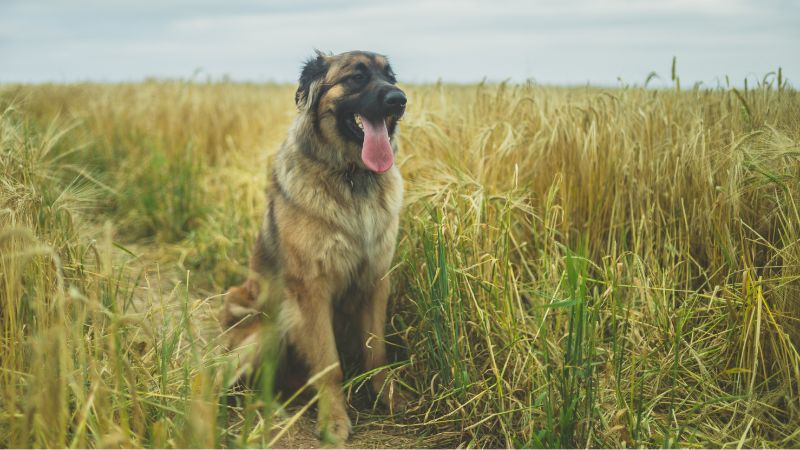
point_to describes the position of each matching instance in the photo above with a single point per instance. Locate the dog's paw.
(335, 429)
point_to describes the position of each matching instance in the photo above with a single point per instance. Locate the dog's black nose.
(395, 99)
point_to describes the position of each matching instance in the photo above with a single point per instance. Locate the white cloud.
(552, 41)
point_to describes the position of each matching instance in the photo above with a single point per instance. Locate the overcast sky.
(551, 41)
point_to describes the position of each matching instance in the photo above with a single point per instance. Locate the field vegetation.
(577, 267)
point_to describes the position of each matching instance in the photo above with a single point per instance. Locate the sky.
(601, 42)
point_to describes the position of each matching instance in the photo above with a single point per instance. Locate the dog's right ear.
(313, 71)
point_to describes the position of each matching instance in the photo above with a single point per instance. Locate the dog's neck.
(356, 179)
(361, 181)
(350, 173)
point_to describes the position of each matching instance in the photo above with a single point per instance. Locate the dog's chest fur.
(354, 215)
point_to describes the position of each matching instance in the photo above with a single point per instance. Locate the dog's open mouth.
(376, 150)
(355, 126)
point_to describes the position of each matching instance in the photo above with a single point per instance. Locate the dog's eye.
(358, 77)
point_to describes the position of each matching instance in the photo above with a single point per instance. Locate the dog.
(322, 255)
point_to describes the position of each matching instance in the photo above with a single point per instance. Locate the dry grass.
(577, 266)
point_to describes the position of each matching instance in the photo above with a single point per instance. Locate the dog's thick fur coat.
(323, 252)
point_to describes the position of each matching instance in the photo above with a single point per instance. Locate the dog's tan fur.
(324, 249)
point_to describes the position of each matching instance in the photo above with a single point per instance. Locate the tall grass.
(576, 267)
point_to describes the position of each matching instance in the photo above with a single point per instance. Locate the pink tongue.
(376, 152)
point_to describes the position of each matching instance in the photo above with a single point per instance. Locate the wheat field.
(576, 267)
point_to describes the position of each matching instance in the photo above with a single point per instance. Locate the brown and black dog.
(323, 253)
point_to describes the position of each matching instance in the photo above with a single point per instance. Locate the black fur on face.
(366, 88)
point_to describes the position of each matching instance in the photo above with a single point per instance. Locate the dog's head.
(354, 105)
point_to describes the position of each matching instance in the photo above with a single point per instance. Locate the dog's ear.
(313, 71)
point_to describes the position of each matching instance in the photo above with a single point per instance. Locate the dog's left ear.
(314, 70)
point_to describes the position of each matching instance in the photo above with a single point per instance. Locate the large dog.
(321, 258)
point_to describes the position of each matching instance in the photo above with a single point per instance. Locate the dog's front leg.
(373, 322)
(310, 331)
